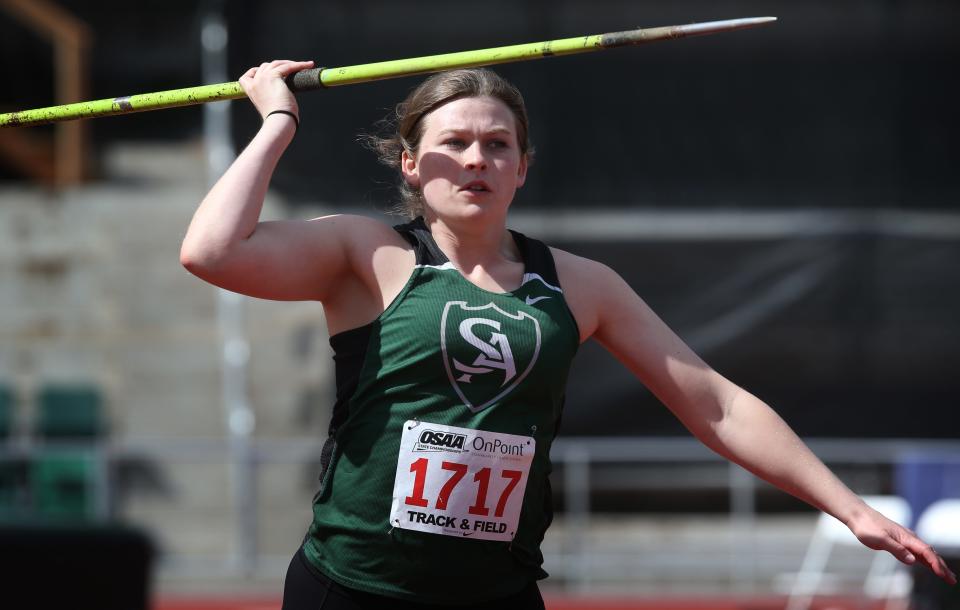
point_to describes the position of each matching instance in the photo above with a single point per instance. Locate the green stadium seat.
(7, 403)
(69, 412)
(11, 490)
(64, 484)
(63, 480)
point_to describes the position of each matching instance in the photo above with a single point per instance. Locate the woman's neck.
(483, 245)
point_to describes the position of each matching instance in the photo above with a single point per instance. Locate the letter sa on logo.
(487, 351)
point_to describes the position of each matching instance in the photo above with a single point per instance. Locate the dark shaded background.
(842, 105)
(848, 103)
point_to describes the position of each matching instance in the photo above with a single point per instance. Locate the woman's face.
(468, 163)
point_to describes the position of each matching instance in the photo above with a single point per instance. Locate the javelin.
(319, 78)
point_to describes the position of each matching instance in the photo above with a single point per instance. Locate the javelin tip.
(648, 35)
(710, 27)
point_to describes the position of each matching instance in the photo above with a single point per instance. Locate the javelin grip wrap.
(305, 80)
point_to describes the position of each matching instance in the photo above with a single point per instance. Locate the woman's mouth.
(477, 186)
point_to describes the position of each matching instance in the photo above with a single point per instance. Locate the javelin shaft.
(318, 78)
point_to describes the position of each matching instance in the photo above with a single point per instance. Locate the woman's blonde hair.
(404, 128)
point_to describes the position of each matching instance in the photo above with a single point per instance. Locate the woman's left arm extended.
(726, 418)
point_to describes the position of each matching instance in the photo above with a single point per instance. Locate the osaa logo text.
(487, 351)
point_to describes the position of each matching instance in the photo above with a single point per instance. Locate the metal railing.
(575, 458)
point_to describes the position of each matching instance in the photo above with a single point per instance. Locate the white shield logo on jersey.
(487, 351)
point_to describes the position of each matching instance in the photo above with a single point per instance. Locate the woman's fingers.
(246, 80)
(277, 67)
(296, 66)
(936, 563)
(282, 67)
(265, 86)
(879, 533)
(908, 548)
(286, 68)
(928, 556)
(901, 552)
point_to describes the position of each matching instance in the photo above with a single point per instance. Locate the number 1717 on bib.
(466, 488)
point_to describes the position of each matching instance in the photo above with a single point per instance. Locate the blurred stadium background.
(786, 198)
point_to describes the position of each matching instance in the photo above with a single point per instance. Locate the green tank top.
(435, 476)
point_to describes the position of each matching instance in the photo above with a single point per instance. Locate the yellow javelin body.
(348, 75)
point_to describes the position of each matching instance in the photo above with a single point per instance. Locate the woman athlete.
(453, 337)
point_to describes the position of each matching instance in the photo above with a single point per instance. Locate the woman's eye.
(453, 143)
(498, 144)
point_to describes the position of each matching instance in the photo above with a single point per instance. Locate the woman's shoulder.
(357, 227)
(580, 269)
(378, 262)
(363, 238)
(587, 285)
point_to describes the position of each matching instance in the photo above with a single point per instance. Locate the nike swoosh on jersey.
(535, 299)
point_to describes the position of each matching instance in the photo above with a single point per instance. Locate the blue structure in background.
(923, 477)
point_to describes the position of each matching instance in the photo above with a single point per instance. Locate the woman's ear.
(522, 171)
(410, 170)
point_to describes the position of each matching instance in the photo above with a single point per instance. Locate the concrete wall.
(91, 290)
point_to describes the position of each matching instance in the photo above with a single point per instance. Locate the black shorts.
(306, 588)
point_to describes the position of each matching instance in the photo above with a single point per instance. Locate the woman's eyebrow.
(459, 130)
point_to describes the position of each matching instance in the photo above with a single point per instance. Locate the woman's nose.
(474, 158)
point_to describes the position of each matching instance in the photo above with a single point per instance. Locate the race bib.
(460, 482)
